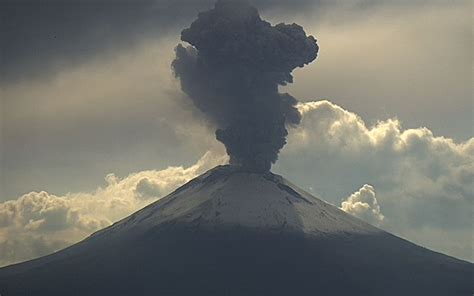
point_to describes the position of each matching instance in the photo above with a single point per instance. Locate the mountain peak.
(229, 196)
(234, 232)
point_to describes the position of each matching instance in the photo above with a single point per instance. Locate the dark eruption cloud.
(232, 71)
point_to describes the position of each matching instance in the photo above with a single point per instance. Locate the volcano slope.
(230, 232)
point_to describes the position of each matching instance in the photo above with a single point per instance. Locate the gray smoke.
(232, 72)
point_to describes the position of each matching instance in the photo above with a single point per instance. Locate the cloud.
(364, 205)
(424, 185)
(422, 181)
(398, 66)
(231, 72)
(119, 111)
(38, 223)
(123, 114)
(52, 138)
(42, 37)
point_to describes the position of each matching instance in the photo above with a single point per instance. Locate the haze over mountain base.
(230, 232)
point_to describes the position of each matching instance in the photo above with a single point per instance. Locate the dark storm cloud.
(38, 36)
(45, 35)
(232, 72)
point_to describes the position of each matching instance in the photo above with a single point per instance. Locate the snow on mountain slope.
(227, 196)
(231, 232)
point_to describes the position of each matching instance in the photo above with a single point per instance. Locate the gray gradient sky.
(95, 98)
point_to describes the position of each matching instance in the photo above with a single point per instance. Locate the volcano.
(233, 232)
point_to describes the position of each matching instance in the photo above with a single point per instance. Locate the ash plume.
(231, 71)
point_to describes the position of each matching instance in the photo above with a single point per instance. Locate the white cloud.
(398, 66)
(39, 223)
(424, 186)
(422, 181)
(363, 204)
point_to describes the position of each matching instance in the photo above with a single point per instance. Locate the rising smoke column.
(232, 71)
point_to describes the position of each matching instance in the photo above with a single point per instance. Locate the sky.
(94, 125)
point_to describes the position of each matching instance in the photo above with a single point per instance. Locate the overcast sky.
(87, 91)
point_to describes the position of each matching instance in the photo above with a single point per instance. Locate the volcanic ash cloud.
(231, 71)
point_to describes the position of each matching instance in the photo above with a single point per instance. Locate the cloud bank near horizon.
(39, 223)
(424, 186)
(424, 183)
